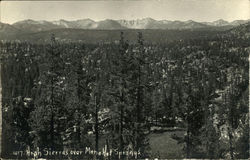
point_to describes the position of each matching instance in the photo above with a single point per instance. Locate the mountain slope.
(109, 25)
(89, 24)
(6, 28)
(86, 24)
(146, 23)
(149, 23)
(35, 26)
(239, 22)
(8, 31)
(242, 31)
(220, 22)
(78, 24)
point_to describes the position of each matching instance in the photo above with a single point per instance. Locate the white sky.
(198, 10)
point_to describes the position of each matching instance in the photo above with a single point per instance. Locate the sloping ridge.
(109, 25)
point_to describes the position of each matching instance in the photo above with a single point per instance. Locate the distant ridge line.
(110, 24)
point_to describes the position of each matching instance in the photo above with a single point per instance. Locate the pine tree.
(139, 74)
(48, 108)
(118, 93)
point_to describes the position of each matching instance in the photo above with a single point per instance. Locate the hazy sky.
(198, 10)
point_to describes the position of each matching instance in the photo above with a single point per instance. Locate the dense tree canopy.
(66, 96)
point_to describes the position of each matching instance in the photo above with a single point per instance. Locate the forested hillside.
(61, 96)
(109, 36)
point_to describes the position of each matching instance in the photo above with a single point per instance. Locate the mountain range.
(90, 31)
(109, 24)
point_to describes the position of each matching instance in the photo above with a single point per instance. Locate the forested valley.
(121, 96)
